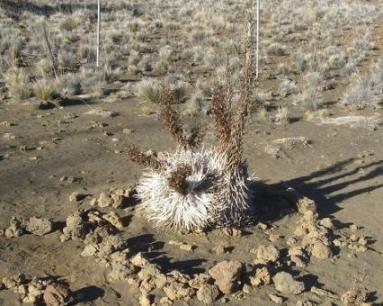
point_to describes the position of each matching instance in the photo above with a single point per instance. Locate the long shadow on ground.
(328, 187)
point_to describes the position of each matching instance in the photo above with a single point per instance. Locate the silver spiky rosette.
(204, 202)
(196, 188)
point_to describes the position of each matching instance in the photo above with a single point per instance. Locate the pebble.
(261, 277)
(144, 300)
(285, 283)
(57, 294)
(15, 228)
(76, 196)
(320, 250)
(227, 275)
(39, 226)
(266, 254)
(207, 294)
(323, 292)
(276, 299)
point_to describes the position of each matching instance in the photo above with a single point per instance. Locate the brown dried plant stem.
(246, 86)
(222, 118)
(146, 160)
(196, 136)
(171, 118)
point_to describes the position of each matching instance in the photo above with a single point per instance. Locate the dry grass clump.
(161, 67)
(367, 90)
(282, 116)
(70, 23)
(17, 83)
(310, 94)
(149, 91)
(43, 89)
(277, 49)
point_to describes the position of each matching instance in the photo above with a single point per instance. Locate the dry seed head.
(221, 118)
(146, 160)
(171, 118)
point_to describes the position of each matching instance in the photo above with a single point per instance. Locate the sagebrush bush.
(149, 91)
(310, 93)
(69, 24)
(363, 92)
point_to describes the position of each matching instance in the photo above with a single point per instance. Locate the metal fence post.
(98, 34)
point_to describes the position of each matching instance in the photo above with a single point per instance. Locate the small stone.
(139, 260)
(266, 254)
(274, 237)
(9, 282)
(285, 283)
(227, 275)
(219, 250)
(261, 277)
(177, 291)
(186, 247)
(57, 295)
(355, 296)
(104, 200)
(276, 299)
(114, 219)
(76, 196)
(306, 205)
(291, 241)
(165, 301)
(207, 294)
(246, 289)
(262, 226)
(232, 232)
(9, 136)
(118, 200)
(320, 250)
(363, 241)
(15, 228)
(144, 300)
(127, 131)
(353, 227)
(339, 243)
(323, 292)
(89, 250)
(326, 222)
(39, 226)
(298, 261)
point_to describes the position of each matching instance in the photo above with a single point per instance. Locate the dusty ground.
(341, 169)
(346, 185)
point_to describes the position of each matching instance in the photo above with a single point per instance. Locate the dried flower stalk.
(196, 136)
(146, 160)
(247, 82)
(171, 118)
(221, 118)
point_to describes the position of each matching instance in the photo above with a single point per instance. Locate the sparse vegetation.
(17, 83)
(44, 89)
(314, 122)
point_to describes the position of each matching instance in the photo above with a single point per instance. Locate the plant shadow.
(328, 187)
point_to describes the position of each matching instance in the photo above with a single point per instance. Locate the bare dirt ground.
(339, 167)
